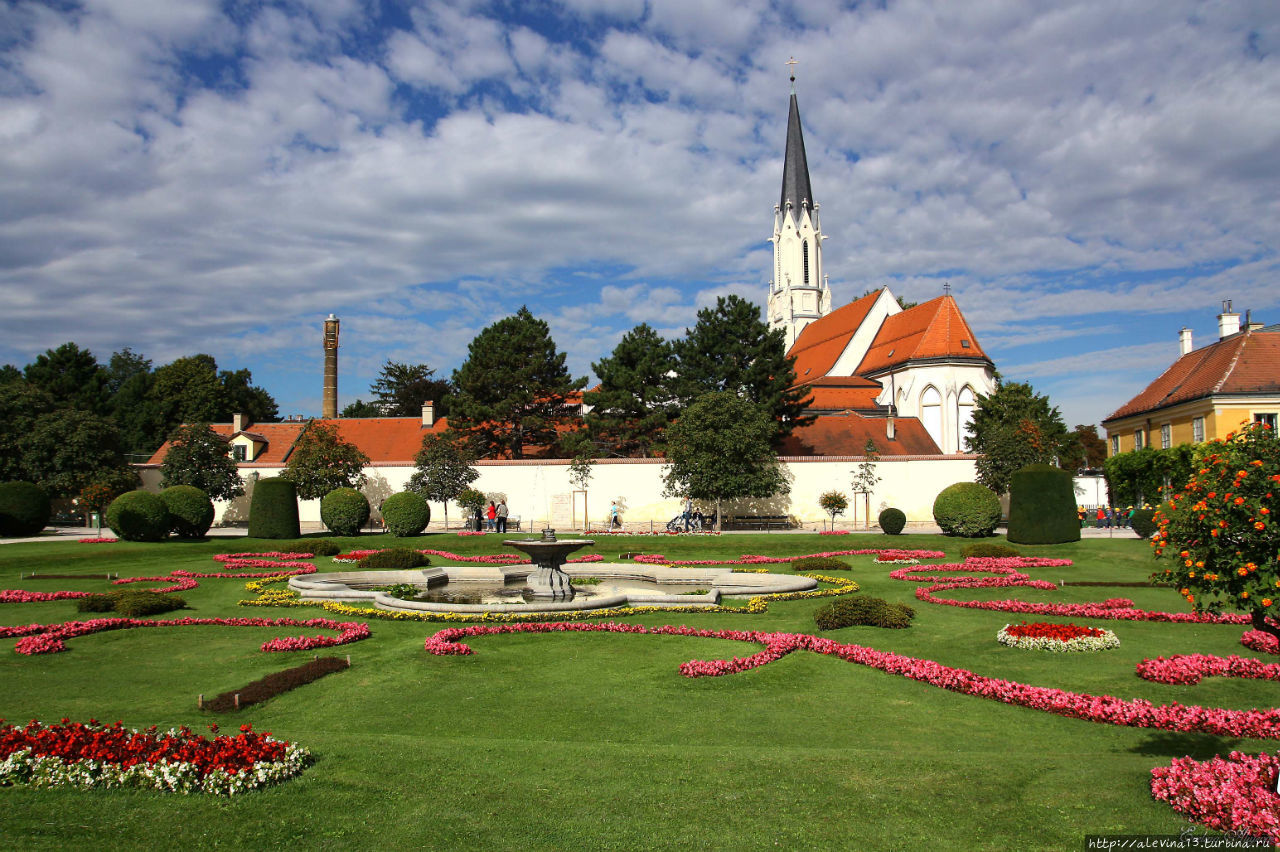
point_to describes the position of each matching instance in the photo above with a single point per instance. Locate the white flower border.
(1107, 641)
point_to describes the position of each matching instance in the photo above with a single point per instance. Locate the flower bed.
(1235, 793)
(1257, 724)
(355, 556)
(1263, 643)
(51, 638)
(103, 540)
(1060, 638)
(751, 559)
(833, 532)
(1190, 668)
(97, 756)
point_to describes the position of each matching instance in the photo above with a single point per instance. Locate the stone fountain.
(548, 581)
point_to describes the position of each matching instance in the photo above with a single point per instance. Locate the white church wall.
(540, 494)
(949, 380)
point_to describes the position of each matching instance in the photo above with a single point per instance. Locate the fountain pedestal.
(548, 581)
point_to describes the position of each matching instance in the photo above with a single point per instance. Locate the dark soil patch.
(1116, 585)
(275, 684)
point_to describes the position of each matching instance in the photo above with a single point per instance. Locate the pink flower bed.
(97, 540)
(1190, 668)
(23, 596)
(1263, 643)
(1235, 793)
(51, 638)
(1258, 724)
(751, 559)
(182, 584)
(833, 532)
(484, 559)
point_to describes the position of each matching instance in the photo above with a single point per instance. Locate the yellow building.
(1207, 393)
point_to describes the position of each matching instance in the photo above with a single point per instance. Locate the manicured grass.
(589, 741)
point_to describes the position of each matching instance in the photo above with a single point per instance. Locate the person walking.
(1102, 517)
(501, 514)
(491, 517)
(614, 522)
(688, 513)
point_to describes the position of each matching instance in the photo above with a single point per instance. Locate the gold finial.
(792, 63)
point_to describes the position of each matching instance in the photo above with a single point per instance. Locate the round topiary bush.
(24, 509)
(967, 509)
(314, 546)
(395, 559)
(138, 516)
(892, 521)
(1144, 524)
(406, 514)
(273, 509)
(344, 511)
(190, 510)
(1042, 506)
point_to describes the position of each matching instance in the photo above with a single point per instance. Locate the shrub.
(819, 563)
(138, 516)
(1144, 524)
(132, 603)
(96, 603)
(1042, 506)
(892, 521)
(317, 546)
(24, 509)
(344, 511)
(406, 514)
(273, 510)
(190, 510)
(988, 550)
(394, 559)
(863, 610)
(967, 509)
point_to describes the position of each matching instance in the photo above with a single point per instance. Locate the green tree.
(244, 397)
(902, 303)
(322, 461)
(21, 404)
(72, 376)
(720, 449)
(631, 409)
(444, 468)
(9, 373)
(1220, 533)
(1146, 475)
(401, 389)
(123, 366)
(197, 456)
(1012, 428)
(514, 391)
(833, 503)
(1084, 448)
(191, 390)
(731, 349)
(360, 408)
(67, 449)
(865, 479)
(581, 470)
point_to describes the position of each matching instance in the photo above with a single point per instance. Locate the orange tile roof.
(279, 438)
(838, 393)
(1245, 363)
(847, 434)
(821, 342)
(386, 439)
(933, 329)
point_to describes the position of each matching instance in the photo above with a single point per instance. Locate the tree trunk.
(1265, 625)
(718, 518)
(446, 515)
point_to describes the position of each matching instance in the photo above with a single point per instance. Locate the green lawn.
(580, 741)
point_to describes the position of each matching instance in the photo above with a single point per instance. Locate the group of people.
(1107, 517)
(496, 516)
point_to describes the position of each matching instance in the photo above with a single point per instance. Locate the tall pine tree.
(731, 349)
(513, 392)
(631, 410)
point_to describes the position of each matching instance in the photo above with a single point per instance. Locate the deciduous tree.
(322, 461)
(197, 456)
(444, 468)
(1012, 428)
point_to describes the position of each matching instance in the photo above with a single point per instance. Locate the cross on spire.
(946, 288)
(792, 63)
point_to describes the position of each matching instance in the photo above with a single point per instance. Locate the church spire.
(795, 167)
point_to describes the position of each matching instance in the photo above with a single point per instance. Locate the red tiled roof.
(838, 393)
(279, 438)
(1244, 363)
(385, 439)
(934, 329)
(821, 342)
(847, 434)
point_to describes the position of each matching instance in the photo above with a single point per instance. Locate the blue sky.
(182, 176)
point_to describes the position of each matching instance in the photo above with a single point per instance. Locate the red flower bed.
(1190, 668)
(50, 638)
(751, 559)
(1045, 630)
(1235, 793)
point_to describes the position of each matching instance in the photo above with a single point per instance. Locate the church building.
(906, 379)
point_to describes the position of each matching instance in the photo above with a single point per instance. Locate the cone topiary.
(273, 510)
(892, 521)
(24, 509)
(406, 514)
(967, 509)
(138, 516)
(344, 511)
(1042, 506)
(190, 510)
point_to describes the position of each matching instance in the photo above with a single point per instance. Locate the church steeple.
(798, 294)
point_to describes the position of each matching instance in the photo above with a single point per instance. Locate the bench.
(757, 522)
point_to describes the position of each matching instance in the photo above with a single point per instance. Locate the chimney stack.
(428, 413)
(1228, 322)
(237, 423)
(1184, 341)
(329, 409)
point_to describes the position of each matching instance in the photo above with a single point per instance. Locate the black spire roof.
(795, 169)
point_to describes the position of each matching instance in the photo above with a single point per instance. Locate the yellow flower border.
(756, 605)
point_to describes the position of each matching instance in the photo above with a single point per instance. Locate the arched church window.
(805, 246)
(964, 414)
(931, 413)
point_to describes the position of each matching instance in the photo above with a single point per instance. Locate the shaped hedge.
(406, 514)
(344, 511)
(967, 509)
(24, 509)
(138, 516)
(395, 559)
(273, 510)
(190, 510)
(892, 521)
(1042, 506)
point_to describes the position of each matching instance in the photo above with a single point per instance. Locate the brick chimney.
(1184, 341)
(329, 407)
(428, 413)
(1228, 321)
(238, 422)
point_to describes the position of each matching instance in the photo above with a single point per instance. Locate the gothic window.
(964, 413)
(805, 246)
(931, 413)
